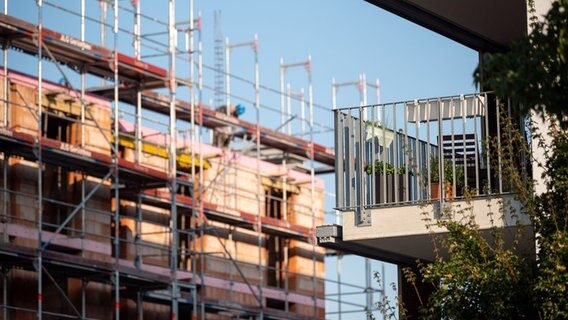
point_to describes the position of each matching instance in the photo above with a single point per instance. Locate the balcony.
(402, 166)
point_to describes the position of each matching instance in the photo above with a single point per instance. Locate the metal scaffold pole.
(39, 265)
(257, 140)
(115, 156)
(199, 213)
(5, 67)
(83, 175)
(198, 203)
(282, 94)
(285, 114)
(334, 89)
(228, 164)
(172, 32)
(362, 87)
(6, 156)
(192, 100)
(138, 55)
(103, 7)
(312, 180)
(254, 46)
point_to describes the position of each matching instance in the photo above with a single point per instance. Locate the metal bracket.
(363, 217)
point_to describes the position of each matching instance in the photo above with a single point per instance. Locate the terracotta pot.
(449, 191)
(435, 191)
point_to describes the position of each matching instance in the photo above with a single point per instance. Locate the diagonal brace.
(74, 212)
(79, 316)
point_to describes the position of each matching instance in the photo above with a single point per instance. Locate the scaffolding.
(113, 204)
(365, 292)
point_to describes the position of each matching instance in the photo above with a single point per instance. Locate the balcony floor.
(400, 234)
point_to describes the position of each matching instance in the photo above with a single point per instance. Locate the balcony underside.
(400, 234)
(483, 25)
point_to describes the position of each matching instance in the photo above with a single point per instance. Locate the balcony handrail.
(416, 151)
(414, 100)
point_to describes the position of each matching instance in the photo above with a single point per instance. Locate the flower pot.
(435, 190)
(448, 191)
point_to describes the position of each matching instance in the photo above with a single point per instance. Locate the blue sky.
(344, 38)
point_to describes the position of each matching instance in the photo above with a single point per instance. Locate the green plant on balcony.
(382, 167)
(449, 176)
(388, 180)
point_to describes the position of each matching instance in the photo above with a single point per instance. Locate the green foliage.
(382, 167)
(550, 221)
(534, 73)
(479, 280)
(480, 277)
(448, 171)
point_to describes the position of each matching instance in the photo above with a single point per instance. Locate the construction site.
(126, 195)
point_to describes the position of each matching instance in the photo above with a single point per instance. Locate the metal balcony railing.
(398, 153)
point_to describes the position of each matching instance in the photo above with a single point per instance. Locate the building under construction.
(125, 196)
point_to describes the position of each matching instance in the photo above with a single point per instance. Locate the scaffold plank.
(78, 54)
(77, 158)
(210, 118)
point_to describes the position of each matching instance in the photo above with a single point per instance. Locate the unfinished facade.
(106, 214)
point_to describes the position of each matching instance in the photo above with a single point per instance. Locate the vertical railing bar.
(360, 163)
(475, 109)
(418, 158)
(488, 146)
(441, 156)
(452, 125)
(384, 154)
(428, 106)
(511, 141)
(395, 154)
(406, 154)
(339, 165)
(374, 124)
(351, 160)
(463, 109)
(499, 173)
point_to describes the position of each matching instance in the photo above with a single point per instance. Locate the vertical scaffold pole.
(364, 116)
(338, 203)
(83, 175)
(103, 6)
(303, 112)
(282, 94)
(5, 284)
(138, 55)
(285, 114)
(39, 265)
(116, 275)
(227, 77)
(288, 104)
(6, 157)
(228, 164)
(201, 177)
(196, 200)
(138, 260)
(172, 32)
(254, 45)
(309, 67)
(192, 235)
(5, 58)
(257, 140)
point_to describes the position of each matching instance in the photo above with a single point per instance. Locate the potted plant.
(384, 179)
(448, 178)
